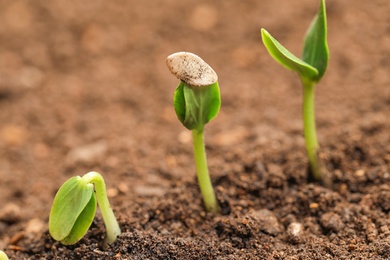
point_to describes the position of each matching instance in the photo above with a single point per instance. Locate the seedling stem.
(311, 69)
(196, 101)
(204, 180)
(112, 226)
(309, 127)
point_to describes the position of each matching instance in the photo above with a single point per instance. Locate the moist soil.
(84, 86)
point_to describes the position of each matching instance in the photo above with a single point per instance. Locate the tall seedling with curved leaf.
(310, 68)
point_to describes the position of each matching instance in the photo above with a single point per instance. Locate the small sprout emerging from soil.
(310, 69)
(196, 100)
(3, 256)
(74, 209)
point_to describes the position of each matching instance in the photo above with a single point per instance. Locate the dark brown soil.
(84, 86)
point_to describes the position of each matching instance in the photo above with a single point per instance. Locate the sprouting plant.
(3, 255)
(74, 209)
(310, 69)
(196, 101)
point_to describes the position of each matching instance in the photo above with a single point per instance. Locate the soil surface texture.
(84, 87)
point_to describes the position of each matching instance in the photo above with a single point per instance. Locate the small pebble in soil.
(268, 222)
(295, 233)
(332, 221)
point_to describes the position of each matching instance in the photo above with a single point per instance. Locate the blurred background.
(84, 86)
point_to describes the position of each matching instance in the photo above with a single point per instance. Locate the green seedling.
(310, 69)
(74, 209)
(3, 255)
(196, 100)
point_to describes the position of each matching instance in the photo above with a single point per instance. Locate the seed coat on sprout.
(191, 69)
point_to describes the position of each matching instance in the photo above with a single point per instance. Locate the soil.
(84, 86)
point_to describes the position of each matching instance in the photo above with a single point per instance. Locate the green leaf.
(82, 223)
(69, 203)
(179, 102)
(212, 102)
(196, 106)
(286, 58)
(315, 50)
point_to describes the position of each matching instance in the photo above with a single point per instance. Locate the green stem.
(112, 226)
(309, 126)
(204, 180)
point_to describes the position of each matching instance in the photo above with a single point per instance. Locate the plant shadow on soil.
(99, 119)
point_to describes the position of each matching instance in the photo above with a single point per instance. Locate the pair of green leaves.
(315, 55)
(73, 211)
(74, 208)
(196, 106)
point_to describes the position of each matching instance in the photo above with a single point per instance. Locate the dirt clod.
(332, 221)
(267, 221)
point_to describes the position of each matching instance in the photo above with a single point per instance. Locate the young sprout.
(310, 69)
(74, 209)
(3, 255)
(196, 101)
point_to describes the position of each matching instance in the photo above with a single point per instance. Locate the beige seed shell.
(191, 69)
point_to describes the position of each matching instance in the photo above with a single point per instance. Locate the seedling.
(74, 209)
(196, 100)
(310, 69)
